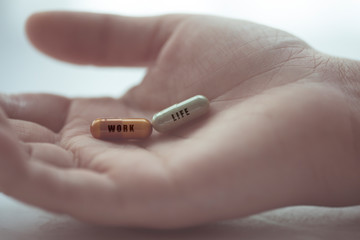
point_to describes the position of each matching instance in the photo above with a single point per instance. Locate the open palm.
(280, 131)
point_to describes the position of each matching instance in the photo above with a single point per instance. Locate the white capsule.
(181, 113)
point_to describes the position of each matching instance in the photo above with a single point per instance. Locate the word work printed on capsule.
(181, 113)
(121, 128)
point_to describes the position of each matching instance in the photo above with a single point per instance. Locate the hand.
(283, 128)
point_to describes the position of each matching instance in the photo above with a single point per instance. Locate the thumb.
(100, 39)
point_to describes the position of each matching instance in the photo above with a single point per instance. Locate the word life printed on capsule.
(118, 128)
(181, 113)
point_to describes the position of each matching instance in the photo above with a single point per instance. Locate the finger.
(83, 194)
(12, 155)
(51, 154)
(32, 132)
(100, 39)
(47, 110)
(56, 189)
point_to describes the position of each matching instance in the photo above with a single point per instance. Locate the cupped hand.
(283, 127)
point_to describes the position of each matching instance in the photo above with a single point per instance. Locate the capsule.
(118, 128)
(181, 113)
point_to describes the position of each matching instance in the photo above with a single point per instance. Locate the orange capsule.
(121, 128)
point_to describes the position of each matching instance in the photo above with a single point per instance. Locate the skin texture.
(283, 127)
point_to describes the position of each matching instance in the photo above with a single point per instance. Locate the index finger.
(45, 109)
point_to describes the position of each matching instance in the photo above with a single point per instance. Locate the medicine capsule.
(117, 128)
(181, 113)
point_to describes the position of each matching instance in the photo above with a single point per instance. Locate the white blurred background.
(331, 26)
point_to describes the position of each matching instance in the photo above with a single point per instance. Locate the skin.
(283, 128)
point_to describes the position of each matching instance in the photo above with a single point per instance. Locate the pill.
(181, 113)
(118, 128)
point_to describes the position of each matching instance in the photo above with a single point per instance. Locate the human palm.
(281, 130)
